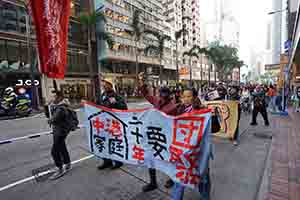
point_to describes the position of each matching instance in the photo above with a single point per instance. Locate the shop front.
(74, 89)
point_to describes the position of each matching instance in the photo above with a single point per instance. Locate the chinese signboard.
(178, 146)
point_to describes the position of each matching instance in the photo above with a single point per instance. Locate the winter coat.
(59, 114)
(167, 107)
(112, 100)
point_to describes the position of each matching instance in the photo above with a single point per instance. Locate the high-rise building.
(14, 61)
(185, 15)
(118, 63)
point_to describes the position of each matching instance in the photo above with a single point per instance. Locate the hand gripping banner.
(178, 146)
(51, 19)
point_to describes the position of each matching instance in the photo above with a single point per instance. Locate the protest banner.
(51, 20)
(178, 146)
(228, 112)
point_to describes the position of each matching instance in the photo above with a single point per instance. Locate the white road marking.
(41, 174)
(32, 135)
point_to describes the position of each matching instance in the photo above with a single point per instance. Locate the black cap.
(165, 92)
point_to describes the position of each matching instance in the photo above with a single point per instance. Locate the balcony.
(118, 9)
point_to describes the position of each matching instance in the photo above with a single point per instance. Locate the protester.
(111, 99)
(165, 104)
(234, 95)
(222, 91)
(192, 103)
(59, 114)
(259, 106)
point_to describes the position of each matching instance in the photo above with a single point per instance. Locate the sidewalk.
(284, 180)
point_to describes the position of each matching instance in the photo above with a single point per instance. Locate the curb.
(264, 184)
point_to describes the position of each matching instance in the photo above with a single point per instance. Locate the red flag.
(51, 19)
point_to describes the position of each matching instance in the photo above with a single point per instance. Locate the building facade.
(119, 63)
(14, 61)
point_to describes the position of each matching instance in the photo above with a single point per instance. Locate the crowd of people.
(173, 102)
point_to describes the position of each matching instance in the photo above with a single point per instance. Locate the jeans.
(59, 151)
(204, 189)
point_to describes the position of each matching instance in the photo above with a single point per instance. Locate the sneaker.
(267, 124)
(253, 124)
(149, 187)
(105, 165)
(235, 143)
(59, 173)
(169, 184)
(68, 167)
(117, 166)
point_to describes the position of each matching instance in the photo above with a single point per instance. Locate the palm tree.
(178, 35)
(89, 20)
(136, 33)
(201, 51)
(157, 50)
(191, 53)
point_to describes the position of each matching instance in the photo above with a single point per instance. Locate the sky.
(252, 17)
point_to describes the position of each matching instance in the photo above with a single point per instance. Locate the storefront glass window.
(13, 55)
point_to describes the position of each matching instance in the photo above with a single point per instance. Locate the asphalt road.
(236, 171)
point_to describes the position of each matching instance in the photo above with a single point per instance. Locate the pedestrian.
(60, 130)
(295, 101)
(272, 96)
(110, 99)
(259, 106)
(165, 104)
(191, 102)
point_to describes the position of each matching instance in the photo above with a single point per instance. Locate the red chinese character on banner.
(188, 127)
(98, 124)
(138, 153)
(188, 174)
(115, 128)
(175, 154)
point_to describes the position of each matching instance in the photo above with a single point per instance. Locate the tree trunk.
(136, 61)
(191, 73)
(90, 62)
(209, 70)
(177, 67)
(239, 75)
(160, 71)
(201, 71)
(215, 75)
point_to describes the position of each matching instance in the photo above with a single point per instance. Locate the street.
(236, 171)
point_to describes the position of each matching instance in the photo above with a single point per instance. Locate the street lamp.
(276, 11)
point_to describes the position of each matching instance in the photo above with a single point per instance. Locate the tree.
(201, 51)
(136, 34)
(159, 49)
(191, 53)
(89, 20)
(224, 57)
(178, 35)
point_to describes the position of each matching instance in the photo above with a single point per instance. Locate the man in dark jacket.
(165, 104)
(260, 106)
(60, 131)
(110, 99)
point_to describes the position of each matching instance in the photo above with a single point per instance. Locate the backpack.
(71, 121)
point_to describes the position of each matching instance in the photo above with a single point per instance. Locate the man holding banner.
(165, 104)
(110, 99)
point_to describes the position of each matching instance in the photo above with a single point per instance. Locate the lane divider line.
(41, 174)
(31, 136)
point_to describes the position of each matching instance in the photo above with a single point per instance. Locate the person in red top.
(165, 104)
(272, 95)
